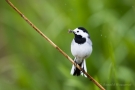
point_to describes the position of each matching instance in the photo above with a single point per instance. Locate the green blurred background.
(29, 62)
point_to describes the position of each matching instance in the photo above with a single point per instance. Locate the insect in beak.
(70, 31)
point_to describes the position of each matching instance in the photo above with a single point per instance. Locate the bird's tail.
(76, 72)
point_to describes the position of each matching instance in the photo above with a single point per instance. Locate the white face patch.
(80, 32)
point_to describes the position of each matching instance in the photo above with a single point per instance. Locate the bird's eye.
(77, 31)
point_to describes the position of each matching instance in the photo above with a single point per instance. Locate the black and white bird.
(81, 48)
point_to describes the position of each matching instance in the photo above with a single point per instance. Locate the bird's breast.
(81, 50)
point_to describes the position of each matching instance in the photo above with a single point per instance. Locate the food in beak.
(70, 31)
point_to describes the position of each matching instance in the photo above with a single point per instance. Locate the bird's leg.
(82, 68)
(75, 63)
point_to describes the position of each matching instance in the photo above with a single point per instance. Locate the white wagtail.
(81, 48)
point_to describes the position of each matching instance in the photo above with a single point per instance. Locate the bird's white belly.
(81, 50)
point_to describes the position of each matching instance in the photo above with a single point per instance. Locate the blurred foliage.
(29, 62)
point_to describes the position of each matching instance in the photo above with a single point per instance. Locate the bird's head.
(80, 32)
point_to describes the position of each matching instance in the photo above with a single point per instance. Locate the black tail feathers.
(77, 72)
